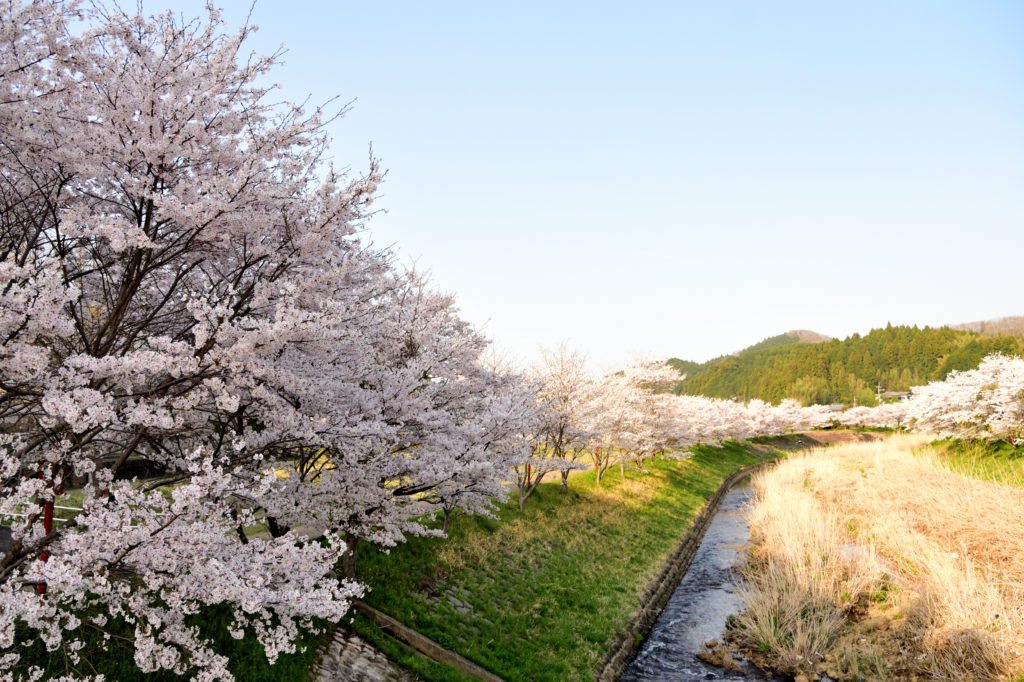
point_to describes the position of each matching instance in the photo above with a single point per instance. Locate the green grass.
(541, 595)
(769, 440)
(989, 461)
(398, 652)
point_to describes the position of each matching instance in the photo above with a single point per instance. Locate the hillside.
(790, 337)
(1013, 325)
(849, 371)
(793, 336)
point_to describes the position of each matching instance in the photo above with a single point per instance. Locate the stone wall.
(349, 658)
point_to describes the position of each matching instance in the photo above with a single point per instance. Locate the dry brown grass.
(954, 546)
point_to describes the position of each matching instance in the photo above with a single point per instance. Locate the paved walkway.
(348, 658)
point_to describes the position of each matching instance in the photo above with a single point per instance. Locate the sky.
(676, 179)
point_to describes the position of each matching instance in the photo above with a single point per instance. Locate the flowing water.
(698, 608)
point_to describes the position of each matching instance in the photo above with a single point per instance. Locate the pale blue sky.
(681, 179)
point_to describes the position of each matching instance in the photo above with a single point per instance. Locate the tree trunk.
(348, 560)
(565, 481)
(276, 529)
(447, 515)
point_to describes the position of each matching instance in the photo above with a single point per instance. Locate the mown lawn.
(541, 595)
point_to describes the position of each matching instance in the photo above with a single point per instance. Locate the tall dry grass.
(829, 524)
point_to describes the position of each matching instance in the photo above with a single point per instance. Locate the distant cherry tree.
(987, 402)
(567, 392)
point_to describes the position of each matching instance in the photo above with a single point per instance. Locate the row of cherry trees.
(987, 403)
(630, 415)
(183, 292)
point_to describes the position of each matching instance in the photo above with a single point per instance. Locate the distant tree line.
(851, 371)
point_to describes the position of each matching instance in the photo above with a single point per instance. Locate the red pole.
(48, 527)
(48, 524)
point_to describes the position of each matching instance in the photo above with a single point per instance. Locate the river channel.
(698, 608)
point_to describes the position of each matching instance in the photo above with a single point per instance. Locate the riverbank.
(543, 594)
(872, 561)
(701, 605)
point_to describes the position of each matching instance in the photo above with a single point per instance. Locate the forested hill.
(847, 371)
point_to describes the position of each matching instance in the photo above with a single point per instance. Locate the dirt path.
(841, 437)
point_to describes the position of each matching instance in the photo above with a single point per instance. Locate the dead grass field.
(872, 562)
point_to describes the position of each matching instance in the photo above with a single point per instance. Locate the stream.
(698, 608)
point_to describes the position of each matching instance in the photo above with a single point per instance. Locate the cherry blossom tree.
(613, 418)
(636, 420)
(388, 409)
(652, 433)
(182, 286)
(528, 471)
(630, 420)
(433, 424)
(174, 254)
(490, 442)
(567, 396)
(987, 402)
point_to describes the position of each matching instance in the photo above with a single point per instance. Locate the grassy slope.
(998, 461)
(540, 595)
